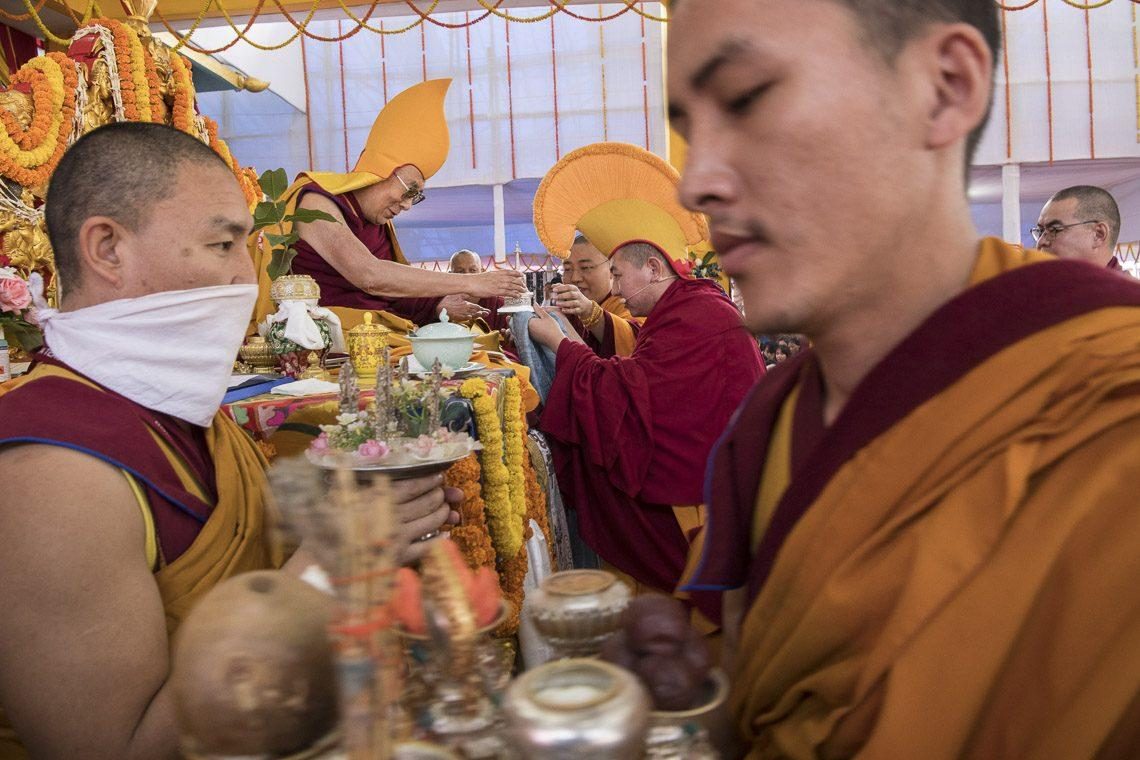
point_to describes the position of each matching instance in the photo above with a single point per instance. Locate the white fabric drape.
(508, 121)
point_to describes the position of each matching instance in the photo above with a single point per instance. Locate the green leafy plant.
(273, 213)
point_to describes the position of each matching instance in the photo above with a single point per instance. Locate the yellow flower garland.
(138, 74)
(505, 522)
(53, 77)
(507, 525)
(182, 114)
(515, 454)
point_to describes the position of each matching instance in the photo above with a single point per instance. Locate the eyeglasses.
(1053, 230)
(415, 195)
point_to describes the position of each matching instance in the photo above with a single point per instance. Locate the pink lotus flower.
(320, 444)
(14, 295)
(372, 449)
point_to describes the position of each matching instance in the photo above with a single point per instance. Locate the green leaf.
(266, 214)
(280, 262)
(281, 241)
(708, 258)
(306, 215)
(25, 336)
(274, 183)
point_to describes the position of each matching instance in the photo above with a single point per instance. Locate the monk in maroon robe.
(630, 435)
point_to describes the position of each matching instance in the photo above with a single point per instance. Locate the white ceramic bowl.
(453, 352)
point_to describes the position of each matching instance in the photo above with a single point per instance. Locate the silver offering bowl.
(580, 708)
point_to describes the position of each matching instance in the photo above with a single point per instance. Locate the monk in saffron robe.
(591, 307)
(128, 495)
(356, 259)
(630, 434)
(925, 525)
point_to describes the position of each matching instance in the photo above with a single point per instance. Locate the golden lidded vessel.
(366, 344)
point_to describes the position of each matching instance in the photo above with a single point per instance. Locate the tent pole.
(1011, 203)
(500, 224)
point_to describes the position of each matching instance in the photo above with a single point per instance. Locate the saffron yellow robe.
(233, 539)
(950, 569)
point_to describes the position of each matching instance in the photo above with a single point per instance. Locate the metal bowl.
(577, 709)
(575, 611)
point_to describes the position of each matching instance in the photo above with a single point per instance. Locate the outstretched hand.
(499, 283)
(459, 309)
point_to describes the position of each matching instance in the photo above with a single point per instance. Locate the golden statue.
(98, 60)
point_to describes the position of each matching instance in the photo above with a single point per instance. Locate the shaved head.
(1094, 203)
(465, 262)
(119, 171)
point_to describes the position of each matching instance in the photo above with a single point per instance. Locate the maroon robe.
(962, 334)
(605, 347)
(59, 412)
(335, 289)
(630, 435)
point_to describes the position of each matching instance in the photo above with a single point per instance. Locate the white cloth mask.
(171, 352)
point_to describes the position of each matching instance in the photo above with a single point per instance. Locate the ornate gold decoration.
(295, 287)
(366, 343)
(315, 371)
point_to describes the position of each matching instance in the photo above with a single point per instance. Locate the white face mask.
(172, 352)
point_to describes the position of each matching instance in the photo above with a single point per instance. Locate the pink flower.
(320, 444)
(14, 295)
(372, 449)
(422, 446)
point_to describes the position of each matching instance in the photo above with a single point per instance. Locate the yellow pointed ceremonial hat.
(616, 193)
(411, 129)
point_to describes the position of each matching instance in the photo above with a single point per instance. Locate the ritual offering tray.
(403, 432)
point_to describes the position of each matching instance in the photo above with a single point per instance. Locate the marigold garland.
(512, 577)
(505, 520)
(471, 533)
(182, 111)
(128, 83)
(516, 455)
(154, 87)
(29, 156)
(508, 526)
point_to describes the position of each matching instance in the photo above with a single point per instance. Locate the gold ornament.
(366, 343)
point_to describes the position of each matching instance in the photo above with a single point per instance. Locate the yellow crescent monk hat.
(614, 194)
(410, 129)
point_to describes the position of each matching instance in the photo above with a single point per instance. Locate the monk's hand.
(422, 509)
(571, 333)
(569, 300)
(460, 309)
(544, 329)
(498, 283)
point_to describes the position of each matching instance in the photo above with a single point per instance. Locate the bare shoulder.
(81, 606)
(59, 494)
(318, 202)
